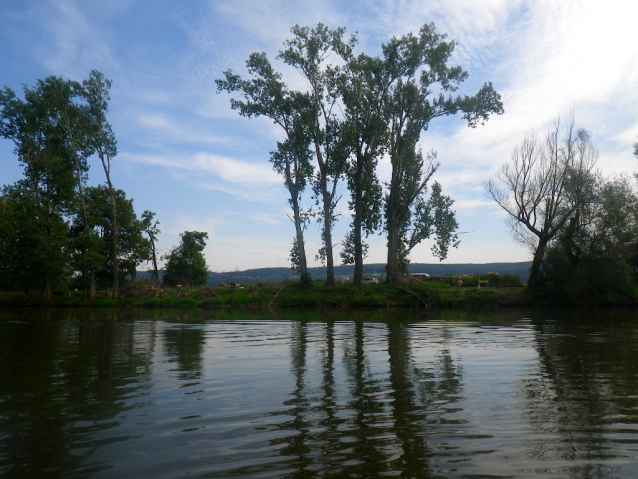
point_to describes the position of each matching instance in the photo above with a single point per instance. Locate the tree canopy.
(185, 263)
(357, 108)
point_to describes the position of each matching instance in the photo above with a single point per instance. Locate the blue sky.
(186, 155)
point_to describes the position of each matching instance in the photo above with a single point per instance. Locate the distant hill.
(277, 275)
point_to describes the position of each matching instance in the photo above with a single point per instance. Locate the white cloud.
(228, 169)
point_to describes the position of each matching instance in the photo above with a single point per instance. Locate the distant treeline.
(278, 275)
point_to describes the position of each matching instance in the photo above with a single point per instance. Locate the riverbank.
(291, 294)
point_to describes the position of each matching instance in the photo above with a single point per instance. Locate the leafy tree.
(98, 130)
(266, 95)
(151, 230)
(544, 187)
(19, 239)
(185, 263)
(133, 248)
(36, 127)
(308, 52)
(594, 257)
(364, 88)
(73, 119)
(419, 69)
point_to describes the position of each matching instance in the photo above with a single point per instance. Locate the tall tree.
(36, 127)
(73, 120)
(186, 264)
(150, 228)
(420, 74)
(266, 95)
(544, 186)
(96, 93)
(309, 52)
(364, 89)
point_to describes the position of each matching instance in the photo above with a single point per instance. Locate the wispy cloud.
(227, 169)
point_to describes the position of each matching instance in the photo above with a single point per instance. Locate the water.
(366, 394)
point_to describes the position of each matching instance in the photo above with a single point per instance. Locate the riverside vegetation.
(499, 290)
(59, 234)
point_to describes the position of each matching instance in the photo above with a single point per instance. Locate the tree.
(151, 230)
(185, 263)
(308, 52)
(73, 119)
(419, 69)
(36, 127)
(96, 94)
(544, 187)
(364, 88)
(266, 95)
(132, 247)
(594, 257)
(20, 237)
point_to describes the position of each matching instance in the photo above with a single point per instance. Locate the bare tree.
(544, 186)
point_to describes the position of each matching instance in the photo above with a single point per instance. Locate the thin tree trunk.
(357, 227)
(106, 164)
(116, 270)
(327, 236)
(301, 248)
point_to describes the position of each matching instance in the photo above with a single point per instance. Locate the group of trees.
(55, 229)
(581, 226)
(355, 110)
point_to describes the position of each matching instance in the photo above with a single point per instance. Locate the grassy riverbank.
(430, 294)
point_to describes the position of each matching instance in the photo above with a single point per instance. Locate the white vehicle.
(370, 280)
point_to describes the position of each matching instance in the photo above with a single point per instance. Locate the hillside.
(277, 275)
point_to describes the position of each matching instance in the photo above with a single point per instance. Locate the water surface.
(366, 394)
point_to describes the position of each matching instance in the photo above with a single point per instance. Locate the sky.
(185, 155)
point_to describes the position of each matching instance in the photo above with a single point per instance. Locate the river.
(223, 394)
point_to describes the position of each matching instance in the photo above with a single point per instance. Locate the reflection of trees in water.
(185, 345)
(372, 417)
(584, 394)
(61, 383)
(419, 396)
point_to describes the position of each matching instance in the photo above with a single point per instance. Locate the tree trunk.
(534, 272)
(392, 266)
(327, 236)
(155, 262)
(301, 247)
(116, 269)
(357, 227)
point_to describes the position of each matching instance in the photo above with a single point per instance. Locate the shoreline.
(287, 295)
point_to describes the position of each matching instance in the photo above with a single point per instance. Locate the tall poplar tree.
(47, 191)
(420, 78)
(265, 94)
(96, 94)
(309, 52)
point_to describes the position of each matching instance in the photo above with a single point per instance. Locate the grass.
(288, 295)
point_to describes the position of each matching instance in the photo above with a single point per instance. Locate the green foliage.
(132, 249)
(150, 228)
(418, 78)
(593, 260)
(186, 264)
(45, 145)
